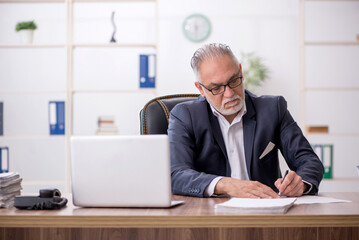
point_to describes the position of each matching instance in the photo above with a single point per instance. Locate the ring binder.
(1, 118)
(147, 70)
(4, 159)
(325, 154)
(57, 117)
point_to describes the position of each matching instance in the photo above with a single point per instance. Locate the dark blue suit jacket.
(198, 153)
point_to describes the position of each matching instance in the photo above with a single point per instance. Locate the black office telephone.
(48, 199)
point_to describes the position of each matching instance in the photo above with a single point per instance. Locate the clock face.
(196, 27)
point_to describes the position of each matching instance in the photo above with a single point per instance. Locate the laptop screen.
(121, 171)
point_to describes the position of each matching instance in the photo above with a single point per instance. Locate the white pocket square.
(269, 148)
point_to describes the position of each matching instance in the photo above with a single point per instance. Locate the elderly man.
(227, 141)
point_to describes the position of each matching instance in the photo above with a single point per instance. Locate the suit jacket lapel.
(249, 127)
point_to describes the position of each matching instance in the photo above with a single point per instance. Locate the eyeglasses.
(222, 88)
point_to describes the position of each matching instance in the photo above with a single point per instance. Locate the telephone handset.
(48, 199)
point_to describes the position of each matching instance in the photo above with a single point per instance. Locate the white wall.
(269, 28)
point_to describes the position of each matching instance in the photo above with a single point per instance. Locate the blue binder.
(147, 71)
(57, 117)
(143, 71)
(4, 159)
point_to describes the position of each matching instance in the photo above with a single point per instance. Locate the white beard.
(227, 112)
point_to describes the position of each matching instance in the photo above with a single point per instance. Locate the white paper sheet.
(276, 205)
(318, 199)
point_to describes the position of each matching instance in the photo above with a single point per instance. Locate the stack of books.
(106, 125)
(10, 186)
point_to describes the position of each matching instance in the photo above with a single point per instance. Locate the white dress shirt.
(233, 139)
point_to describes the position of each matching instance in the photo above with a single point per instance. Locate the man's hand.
(243, 189)
(292, 186)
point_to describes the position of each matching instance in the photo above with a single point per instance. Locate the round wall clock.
(196, 27)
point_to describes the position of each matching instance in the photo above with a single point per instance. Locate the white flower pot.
(26, 36)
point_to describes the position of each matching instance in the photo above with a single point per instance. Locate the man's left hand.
(292, 186)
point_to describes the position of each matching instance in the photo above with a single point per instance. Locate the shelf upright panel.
(69, 92)
(301, 29)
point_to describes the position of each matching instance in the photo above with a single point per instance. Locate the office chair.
(154, 117)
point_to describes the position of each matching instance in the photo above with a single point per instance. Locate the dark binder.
(4, 159)
(1, 118)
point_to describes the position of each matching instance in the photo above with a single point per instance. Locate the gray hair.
(208, 52)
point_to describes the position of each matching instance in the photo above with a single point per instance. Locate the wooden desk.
(196, 219)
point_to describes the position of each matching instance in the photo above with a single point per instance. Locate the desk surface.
(195, 213)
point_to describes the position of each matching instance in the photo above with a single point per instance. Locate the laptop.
(121, 171)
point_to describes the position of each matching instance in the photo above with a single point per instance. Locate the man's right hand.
(243, 189)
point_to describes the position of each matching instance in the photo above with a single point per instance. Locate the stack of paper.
(10, 186)
(250, 205)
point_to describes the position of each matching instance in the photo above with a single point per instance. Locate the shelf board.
(342, 179)
(140, 90)
(84, 45)
(97, 1)
(33, 46)
(338, 134)
(32, 137)
(48, 182)
(331, 0)
(32, 1)
(73, 1)
(331, 88)
(33, 92)
(114, 45)
(331, 43)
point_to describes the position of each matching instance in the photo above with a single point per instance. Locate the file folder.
(143, 71)
(57, 117)
(327, 160)
(1, 118)
(152, 71)
(325, 154)
(147, 70)
(4, 159)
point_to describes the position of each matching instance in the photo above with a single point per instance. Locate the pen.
(285, 174)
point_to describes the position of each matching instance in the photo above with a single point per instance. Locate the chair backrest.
(154, 116)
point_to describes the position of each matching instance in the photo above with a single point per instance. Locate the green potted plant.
(254, 70)
(26, 30)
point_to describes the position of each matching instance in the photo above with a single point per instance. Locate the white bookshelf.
(69, 47)
(328, 83)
